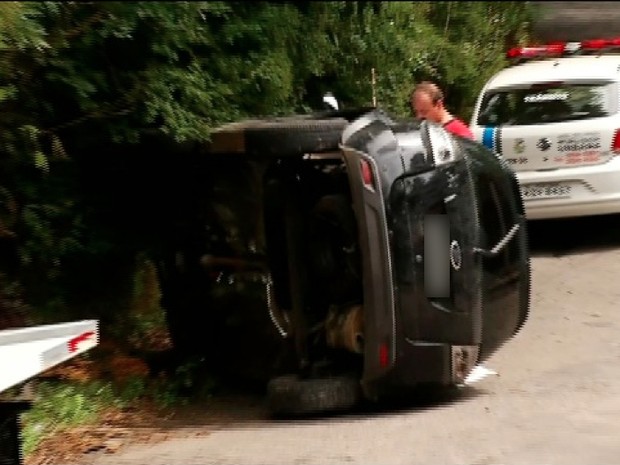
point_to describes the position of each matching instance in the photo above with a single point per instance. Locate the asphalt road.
(556, 399)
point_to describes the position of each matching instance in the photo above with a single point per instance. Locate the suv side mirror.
(330, 100)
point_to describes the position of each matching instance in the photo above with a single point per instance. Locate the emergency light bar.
(559, 49)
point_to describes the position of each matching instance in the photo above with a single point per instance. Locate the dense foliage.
(97, 71)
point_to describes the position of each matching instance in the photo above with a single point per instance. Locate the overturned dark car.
(358, 255)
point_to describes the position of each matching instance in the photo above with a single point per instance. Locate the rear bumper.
(599, 195)
(419, 363)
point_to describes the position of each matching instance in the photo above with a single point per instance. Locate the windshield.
(546, 103)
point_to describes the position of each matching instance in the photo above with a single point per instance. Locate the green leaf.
(41, 161)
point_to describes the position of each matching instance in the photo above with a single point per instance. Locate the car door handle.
(500, 245)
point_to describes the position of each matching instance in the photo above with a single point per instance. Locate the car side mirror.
(330, 100)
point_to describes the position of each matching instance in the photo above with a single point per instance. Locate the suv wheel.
(291, 395)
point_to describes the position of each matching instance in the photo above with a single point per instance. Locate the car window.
(547, 103)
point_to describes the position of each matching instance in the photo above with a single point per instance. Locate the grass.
(60, 405)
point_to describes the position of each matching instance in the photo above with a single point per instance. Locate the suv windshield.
(546, 103)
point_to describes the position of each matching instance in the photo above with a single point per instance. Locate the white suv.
(554, 117)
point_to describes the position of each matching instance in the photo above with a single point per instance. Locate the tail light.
(615, 145)
(368, 177)
(384, 355)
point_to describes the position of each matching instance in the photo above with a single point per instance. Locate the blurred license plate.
(545, 190)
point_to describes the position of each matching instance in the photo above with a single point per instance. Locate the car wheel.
(291, 395)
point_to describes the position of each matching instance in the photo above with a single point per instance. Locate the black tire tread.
(290, 395)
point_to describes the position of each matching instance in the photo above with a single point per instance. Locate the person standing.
(427, 103)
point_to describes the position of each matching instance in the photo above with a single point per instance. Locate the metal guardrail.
(25, 353)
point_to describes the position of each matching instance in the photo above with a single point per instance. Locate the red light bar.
(596, 44)
(561, 48)
(537, 51)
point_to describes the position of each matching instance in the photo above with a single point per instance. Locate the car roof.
(577, 68)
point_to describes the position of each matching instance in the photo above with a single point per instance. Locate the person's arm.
(456, 126)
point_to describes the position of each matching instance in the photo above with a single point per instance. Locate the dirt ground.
(555, 401)
(144, 423)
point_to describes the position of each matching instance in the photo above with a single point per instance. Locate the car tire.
(279, 138)
(290, 395)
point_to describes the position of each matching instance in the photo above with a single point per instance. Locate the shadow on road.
(568, 236)
(249, 410)
(418, 401)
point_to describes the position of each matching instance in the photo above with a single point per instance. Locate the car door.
(503, 247)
